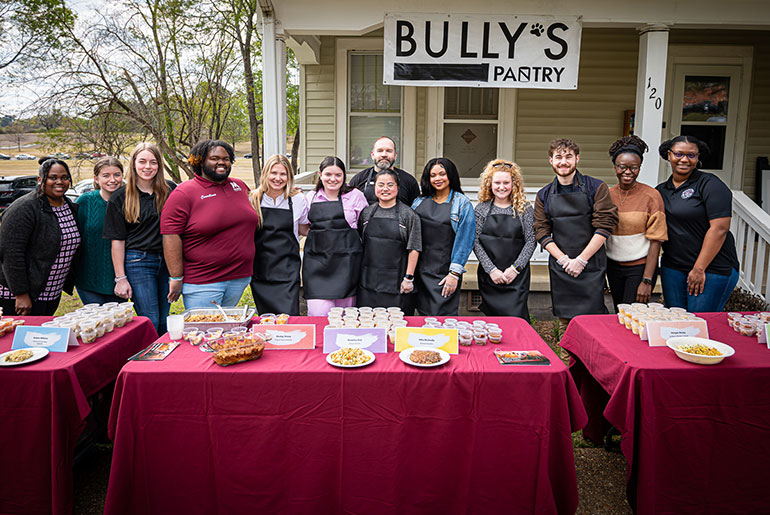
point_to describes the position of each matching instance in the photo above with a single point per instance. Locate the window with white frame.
(374, 109)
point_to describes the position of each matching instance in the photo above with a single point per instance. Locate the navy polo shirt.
(689, 208)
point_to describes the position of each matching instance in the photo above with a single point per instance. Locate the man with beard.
(208, 229)
(384, 156)
(574, 215)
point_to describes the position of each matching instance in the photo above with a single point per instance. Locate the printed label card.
(658, 331)
(287, 336)
(373, 339)
(55, 339)
(429, 337)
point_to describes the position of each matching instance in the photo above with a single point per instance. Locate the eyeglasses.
(54, 178)
(502, 164)
(624, 168)
(680, 155)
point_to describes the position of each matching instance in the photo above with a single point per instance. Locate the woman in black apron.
(282, 218)
(332, 262)
(448, 225)
(505, 240)
(391, 236)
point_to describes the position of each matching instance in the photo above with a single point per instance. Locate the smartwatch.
(647, 281)
(409, 277)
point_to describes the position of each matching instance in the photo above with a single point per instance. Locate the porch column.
(650, 88)
(271, 96)
(280, 75)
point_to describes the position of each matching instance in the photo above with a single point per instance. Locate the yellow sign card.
(428, 337)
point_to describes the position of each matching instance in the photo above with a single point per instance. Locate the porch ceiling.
(356, 17)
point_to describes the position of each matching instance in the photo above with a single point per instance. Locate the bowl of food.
(699, 350)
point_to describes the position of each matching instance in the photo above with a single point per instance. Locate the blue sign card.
(374, 339)
(55, 339)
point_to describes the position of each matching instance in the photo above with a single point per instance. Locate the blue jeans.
(224, 293)
(716, 291)
(92, 297)
(148, 276)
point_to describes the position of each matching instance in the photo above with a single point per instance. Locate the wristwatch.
(647, 280)
(409, 277)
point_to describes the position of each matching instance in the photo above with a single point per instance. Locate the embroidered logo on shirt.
(209, 195)
(235, 186)
(687, 193)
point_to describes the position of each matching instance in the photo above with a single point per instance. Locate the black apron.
(437, 241)
(503, 238)
(275, 282)
(332, 264)
(384, 265)
(570, 215)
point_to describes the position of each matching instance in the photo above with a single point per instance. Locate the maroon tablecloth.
(289, 433)
(43, 407)
(696, 437)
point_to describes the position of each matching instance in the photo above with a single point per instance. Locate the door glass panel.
(714, 137)
(705, 99)
(470, 146)
(364, 131)
(475, 103)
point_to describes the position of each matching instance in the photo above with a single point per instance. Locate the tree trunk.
(295, 150)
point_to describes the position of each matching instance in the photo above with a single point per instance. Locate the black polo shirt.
(689, 208)
(408, 189)
(143, 235)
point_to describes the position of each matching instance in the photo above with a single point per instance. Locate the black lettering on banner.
(512, 38)
(556, 39)
(547, 74)
(558, 71)
(444, 44)
(407, 38)
(523, 73)
(485, 53)
(464, 43)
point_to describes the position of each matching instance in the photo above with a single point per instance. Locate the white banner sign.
(472, 50)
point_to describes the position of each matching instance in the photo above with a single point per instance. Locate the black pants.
(624, 280)
(39, 307)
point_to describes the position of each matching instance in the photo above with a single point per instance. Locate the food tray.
(240, 321)
(238, 354)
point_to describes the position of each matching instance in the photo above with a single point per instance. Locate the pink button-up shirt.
(353, 202)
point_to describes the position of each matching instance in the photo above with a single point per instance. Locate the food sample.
(701, 350)
(208, 318)
(349, 356)
(231, 355)
(425, 357)
(19, 356)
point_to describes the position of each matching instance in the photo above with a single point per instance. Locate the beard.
(211, 172)
(383, 164)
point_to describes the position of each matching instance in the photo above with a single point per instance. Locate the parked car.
(247, 156)
(61, 155)
(5, 156)
(24, 156)
(83, 155)
(78, 189)
(15, 186)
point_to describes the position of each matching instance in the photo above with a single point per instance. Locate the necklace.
(623, 199)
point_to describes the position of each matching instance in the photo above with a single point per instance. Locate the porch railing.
(751, 227)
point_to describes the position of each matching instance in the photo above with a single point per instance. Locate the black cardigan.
(30, 238)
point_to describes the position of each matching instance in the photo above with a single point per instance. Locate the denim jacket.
(463, 220)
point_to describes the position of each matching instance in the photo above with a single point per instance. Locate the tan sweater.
(641, 218)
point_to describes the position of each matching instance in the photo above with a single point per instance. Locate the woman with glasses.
(699, 268)
(634, 246)
(39, 237)
(505, 240)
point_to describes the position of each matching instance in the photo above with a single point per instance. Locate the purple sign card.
(373, 339)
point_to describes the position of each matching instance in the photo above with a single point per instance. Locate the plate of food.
(700, 350)
(350, 357)
(22, 356)
(424, 357)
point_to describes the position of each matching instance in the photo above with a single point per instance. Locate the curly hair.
(201, 151)
(563, 144)
(255, 196)
(517, 197)
(664, 147)
(632, 144)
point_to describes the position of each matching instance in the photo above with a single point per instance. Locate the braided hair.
(628, 144)
(45, 167)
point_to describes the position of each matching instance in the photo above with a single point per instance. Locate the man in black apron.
(384, 157)
(574, 215)
(275, 282)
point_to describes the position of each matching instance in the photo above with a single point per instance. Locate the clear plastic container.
(465, 338)
(747, 327)
(495, 335)
(119, 316)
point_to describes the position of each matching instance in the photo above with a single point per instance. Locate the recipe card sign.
(427, 337)
(658, 331)
(55, 339)
(287, 336)
(373, 339)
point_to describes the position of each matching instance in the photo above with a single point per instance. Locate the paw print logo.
(537, 29)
